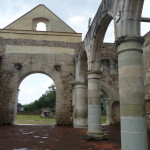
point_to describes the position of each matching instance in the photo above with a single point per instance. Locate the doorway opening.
(103, 100)
(36, 100)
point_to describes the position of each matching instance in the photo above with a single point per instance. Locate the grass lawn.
(34, 119)
(103, 120)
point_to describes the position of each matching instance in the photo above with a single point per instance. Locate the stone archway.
(112, 97)
(17, 79)
(127, 18)
(41, 63)
(31, 89)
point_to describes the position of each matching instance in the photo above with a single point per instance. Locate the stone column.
(109, 119)
(131, 90)
(80, 106)
(94, 107)
(13, 106)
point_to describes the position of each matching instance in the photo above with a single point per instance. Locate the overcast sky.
(75, 13)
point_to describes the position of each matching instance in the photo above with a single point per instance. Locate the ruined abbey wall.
(24, 51)
(43, 56)
(22, 55)
(109, 81)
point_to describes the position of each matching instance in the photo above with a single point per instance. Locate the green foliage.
(46, 100)
(89, 22)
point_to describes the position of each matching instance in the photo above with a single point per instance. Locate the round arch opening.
(36, 100)
(41, 26)
(110, 33)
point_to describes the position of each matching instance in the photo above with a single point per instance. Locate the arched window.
(41, 26)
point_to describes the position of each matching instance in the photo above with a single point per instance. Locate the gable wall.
(26, 22)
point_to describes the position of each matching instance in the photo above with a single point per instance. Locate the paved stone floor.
(55, 138)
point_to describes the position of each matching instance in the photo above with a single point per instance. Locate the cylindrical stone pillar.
(94, 107)
(131, 90)
(109, 120)
(13, 106)
(80, 106)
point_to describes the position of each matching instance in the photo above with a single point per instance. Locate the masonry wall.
(146, 64)
(109, 81)
(108, 72)
(22, 56)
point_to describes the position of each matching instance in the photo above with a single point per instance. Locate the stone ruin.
(81, 69)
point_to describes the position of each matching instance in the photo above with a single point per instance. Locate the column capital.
(93, 74)
(129, 43)
(127, 38)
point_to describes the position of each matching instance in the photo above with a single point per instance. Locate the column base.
(96, 136)
(80, 123)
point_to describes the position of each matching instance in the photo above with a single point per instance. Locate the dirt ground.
(21, 137)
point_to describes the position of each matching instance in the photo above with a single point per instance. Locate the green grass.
(103, 120)
(34, 119)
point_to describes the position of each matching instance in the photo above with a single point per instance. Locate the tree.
(46, 100)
